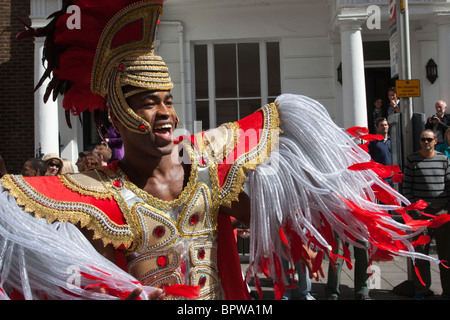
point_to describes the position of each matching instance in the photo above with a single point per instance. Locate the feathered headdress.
(112, 48)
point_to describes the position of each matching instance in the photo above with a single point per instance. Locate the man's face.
(27, 171)
(383, 127)
(427, 141)
(156, 107)
(441, 108)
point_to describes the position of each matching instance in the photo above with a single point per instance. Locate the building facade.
(229, 57)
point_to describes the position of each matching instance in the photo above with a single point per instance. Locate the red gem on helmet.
(142, 128)
(121, 67)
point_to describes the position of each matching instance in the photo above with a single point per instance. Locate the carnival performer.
(160, 217)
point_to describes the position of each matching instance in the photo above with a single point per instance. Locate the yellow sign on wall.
(408, 88)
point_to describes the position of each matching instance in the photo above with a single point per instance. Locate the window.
(232, 80)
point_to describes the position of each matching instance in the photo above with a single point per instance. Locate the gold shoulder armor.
(86, 183)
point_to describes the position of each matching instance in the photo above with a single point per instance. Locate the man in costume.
(162, 213)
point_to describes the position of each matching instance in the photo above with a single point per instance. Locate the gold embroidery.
(87, 215)
(88, 184)
(167, 279)
(204, 254)
(156, 229)
(167, 205)
(216, 144)
(208, 281)
(197, 219)
(151, 265)
(236, 177)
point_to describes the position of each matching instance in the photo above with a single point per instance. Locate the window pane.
(226, 111)
(273, 68)
(249, 70)
(201, 71)
(225, 70)
(202, 108)
(247, 107)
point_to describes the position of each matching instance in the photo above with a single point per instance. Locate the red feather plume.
(70, 53)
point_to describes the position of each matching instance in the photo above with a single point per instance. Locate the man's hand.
(157, 294)
(308, 262)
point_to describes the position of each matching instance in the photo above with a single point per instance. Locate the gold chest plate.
(173, 242)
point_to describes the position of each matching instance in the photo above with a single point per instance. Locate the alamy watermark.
(74, 21)
(374, 18)
(374, 281)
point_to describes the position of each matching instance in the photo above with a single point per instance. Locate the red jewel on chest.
(202, 281)
(194, 219)
(162, 261)
(118, 183)
(121, 67)
(159, 231)
(201, 254)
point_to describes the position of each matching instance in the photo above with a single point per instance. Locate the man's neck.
(139, 170)
(427, 153)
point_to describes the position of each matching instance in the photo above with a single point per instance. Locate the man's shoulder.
(414, 155)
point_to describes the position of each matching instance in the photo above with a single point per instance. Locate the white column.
(45, 114)
(353, 79)
(427, 38)
(443, 26)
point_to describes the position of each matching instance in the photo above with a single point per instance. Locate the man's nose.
(163, 109)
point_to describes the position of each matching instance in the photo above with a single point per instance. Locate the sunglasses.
(54, 165)
(426, 139)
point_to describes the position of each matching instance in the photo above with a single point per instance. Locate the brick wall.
(16, 87)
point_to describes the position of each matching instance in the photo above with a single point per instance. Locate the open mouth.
(163, 131)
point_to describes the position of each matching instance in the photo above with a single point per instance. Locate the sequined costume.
(305, 177)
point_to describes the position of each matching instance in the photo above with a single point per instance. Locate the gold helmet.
(113, 48)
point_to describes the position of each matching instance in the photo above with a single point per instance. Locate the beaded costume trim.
(236, 177)
(85, 214)
(88, 184)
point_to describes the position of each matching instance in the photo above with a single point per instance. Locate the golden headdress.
(112, 48)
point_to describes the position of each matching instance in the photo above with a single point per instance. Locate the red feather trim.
(181, 290)
(418, 275)
(364, 146)
(357, 131)
(397, 178)
(284, 239)
(384, 195)
(371, 137)
(439, 220)
(419, 205)
(380, 169)
(70, 53)
(421, 241)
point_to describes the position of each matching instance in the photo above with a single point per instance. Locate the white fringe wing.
(306, 178)
(52, 261)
